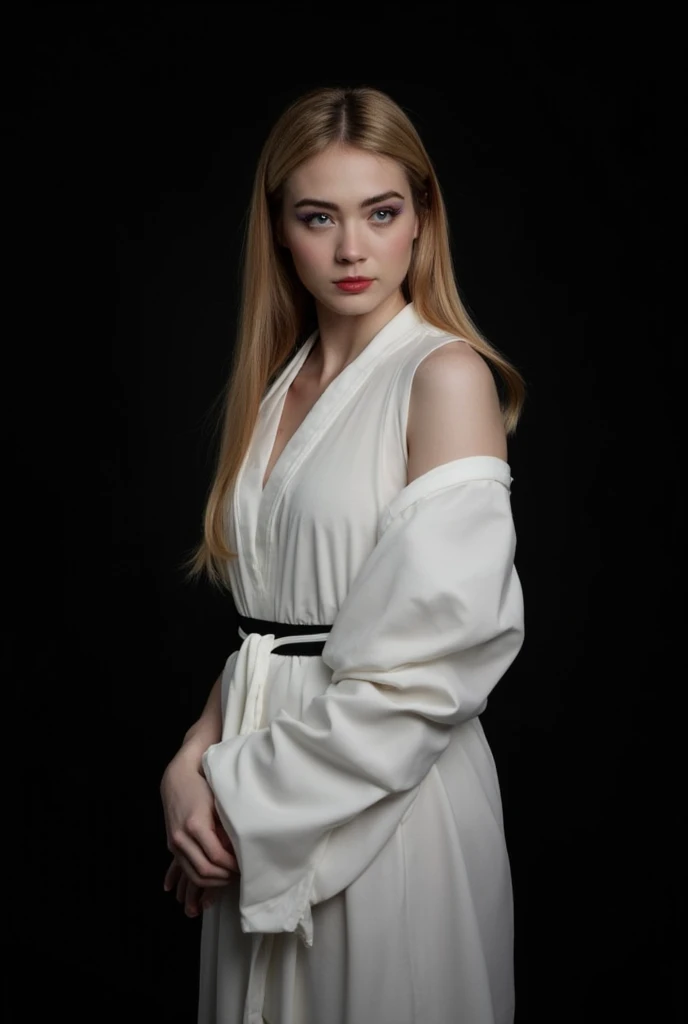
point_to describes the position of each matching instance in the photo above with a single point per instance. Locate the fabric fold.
(432, 622)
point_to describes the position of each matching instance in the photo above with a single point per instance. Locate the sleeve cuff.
(290, 912)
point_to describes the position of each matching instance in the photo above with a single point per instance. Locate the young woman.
(335, 811)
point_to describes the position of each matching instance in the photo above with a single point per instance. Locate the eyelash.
(393, 211)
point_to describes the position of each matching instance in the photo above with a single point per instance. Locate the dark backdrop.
(556, 136)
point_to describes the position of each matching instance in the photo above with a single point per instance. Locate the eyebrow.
(333, 206)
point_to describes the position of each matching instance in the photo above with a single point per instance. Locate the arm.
(453, 410)
(431, 623)
(195, 835)
(206, 730)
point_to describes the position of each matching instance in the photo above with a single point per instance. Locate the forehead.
(342, 172)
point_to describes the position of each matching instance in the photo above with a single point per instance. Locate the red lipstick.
(354, 284)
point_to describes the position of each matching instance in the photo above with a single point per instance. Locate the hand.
(193, 897)
(195, 835)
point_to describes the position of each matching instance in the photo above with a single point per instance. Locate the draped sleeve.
(433, 620)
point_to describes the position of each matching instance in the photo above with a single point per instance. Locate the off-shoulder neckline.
(448, 474)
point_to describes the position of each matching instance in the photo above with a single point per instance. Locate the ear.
(416, 230)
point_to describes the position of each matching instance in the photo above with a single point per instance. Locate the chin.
(352, 305)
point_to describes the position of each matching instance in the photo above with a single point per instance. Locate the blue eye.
(309, 218)
(317, 220)
(390, 211)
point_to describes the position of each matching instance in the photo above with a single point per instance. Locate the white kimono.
(358, 787)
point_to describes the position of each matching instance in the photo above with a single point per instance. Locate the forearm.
(309, 802)
(206, 730)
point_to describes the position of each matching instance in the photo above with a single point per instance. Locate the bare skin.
(453, 413)
(203, 858)
(357, 238)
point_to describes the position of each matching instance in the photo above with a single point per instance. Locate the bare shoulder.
(454, 409)
(454, 365)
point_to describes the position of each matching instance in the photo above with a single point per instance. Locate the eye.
(385, 215)
(389, 213)
(312, 219)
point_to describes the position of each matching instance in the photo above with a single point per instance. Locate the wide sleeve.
(431, 623)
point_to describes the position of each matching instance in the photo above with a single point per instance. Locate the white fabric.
(250, 676)
(358, 788)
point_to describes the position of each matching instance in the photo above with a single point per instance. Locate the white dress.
(358, 787)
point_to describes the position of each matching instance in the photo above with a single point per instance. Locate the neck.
(342, 338)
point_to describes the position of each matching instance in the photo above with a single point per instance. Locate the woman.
(336, 809)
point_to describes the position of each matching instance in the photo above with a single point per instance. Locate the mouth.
(354, 284)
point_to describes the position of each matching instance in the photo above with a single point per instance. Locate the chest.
(321, 467)
(301, 396)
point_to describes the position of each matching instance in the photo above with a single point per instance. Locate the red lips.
(354, 284)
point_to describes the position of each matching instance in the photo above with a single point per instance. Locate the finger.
(221, 834)
(181, 888)
(232, 863)
(223, 837)
(172, 875)
(209, 841)
(208, 897)
(204, 882)
(203, 869)
(227, 844)
(191, 903)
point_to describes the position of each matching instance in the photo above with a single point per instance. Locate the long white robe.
(358, 787)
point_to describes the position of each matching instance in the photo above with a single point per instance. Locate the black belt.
(280, 629)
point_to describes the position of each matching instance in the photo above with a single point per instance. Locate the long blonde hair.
(277, 313)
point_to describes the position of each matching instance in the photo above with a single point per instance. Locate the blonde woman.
(335, 812)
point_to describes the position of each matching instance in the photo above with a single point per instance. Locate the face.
(347, 213)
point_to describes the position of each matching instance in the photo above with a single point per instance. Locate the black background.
(556, 135)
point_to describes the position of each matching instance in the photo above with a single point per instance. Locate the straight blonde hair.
(277, 313)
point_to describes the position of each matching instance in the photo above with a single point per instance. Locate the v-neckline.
(314, 424)
(272, 439)
(337, 388)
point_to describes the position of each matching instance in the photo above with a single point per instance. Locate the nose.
(349, 246)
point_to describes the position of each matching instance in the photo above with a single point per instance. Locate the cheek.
(306, 248)
(397, 245)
